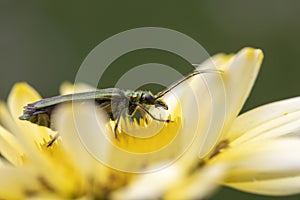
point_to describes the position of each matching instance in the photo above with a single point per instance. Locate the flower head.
(206, 143)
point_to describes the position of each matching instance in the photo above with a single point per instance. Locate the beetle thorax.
(135, 96)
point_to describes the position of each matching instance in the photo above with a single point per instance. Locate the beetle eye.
(149, 98)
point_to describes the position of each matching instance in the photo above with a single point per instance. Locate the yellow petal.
(274, 187)
(33, 137)
(218, 61)
(196, 105)
(6, 119)
(172, 182)
(267, 159)
(10, 148)
(21, 95)
(67, 125)
(18, 183)
(277, 119)
(69, 88)
(150, 185)
(239, 77)
(199, 185)
(47, 196)
(211, 101)
(81, 129)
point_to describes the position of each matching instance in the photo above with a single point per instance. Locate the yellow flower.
(207, 143)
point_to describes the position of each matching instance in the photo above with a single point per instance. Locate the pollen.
(146, 135)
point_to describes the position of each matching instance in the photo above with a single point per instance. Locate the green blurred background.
(44, 42)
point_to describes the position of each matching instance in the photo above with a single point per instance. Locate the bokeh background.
(44, 42)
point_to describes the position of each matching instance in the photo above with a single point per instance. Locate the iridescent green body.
(112, 100)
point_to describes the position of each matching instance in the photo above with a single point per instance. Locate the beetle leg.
(153, 117)
(49, 144)
(117, 124)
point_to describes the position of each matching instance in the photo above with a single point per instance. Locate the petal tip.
(20, 86)
(253, 52)
(66, 87)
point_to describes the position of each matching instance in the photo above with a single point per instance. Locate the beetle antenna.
(194, 73)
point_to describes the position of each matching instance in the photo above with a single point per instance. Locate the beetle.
(113, 101)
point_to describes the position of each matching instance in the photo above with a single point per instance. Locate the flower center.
(145, 136)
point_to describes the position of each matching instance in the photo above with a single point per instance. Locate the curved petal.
(150, 186)
(173, 182)
(6, 119)
(275, 187)
(33, 139)
(71, 139)
(69, 88)
(21, 95)
(10, 148)
(18, 183)
(29, 183)
(239, 77)
(198, 185)
(79, 128)
(263, 160)
(209, 102)
(276, 119)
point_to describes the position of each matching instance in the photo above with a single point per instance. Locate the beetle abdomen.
(37, 116)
